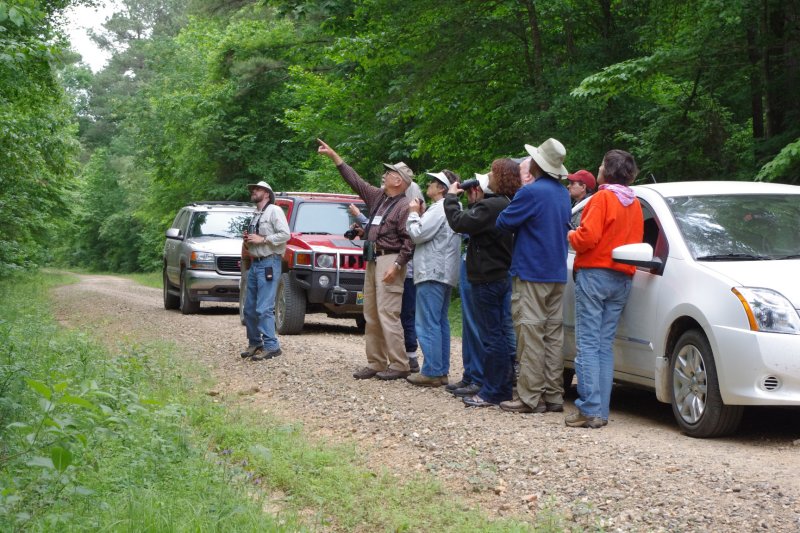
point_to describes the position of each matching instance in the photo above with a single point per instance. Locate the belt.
(379, 253)
(255, 259)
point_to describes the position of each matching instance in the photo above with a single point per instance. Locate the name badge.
(377, 220)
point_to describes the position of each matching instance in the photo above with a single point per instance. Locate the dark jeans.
(471, 347)
(492, 314)
(407, 313)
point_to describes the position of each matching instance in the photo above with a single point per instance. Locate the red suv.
(323, 272)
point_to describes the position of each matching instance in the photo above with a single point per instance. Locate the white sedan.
(713, 320)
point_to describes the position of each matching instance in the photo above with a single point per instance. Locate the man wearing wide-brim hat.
(265, 240)
(388, 248)
(539, 217)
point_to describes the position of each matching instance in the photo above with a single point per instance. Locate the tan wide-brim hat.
(550, 157)
(262, 185)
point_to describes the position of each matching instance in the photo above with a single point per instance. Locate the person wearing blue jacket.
(539, 217)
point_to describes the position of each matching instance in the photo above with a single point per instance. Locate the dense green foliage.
(202, 97)
(94, 440)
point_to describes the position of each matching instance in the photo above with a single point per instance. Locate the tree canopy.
(202, 97)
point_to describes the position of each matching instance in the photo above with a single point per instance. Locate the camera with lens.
(469, 184)
(351, 234)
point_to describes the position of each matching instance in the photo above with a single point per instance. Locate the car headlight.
(324, 261)
(768, 310)
(203, 261)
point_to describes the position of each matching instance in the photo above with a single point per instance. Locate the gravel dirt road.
(637, 474)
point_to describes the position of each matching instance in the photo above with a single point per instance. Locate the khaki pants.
(537, 311)
(382, 303)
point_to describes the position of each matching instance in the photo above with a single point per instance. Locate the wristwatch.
(397, 265)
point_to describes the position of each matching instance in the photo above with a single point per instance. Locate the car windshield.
(324, 218)
(739, 227)
(228, 224)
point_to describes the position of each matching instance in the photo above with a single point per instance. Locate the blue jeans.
(600, 296)
(407, 311)
(491, 313)
(259, 304)
(433, 327)
(471, 347)
(508, 324)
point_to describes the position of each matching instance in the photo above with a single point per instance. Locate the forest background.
(201, 97)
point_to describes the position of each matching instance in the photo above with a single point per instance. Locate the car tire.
(187, 306)
(290, 307)
(696, 401)
(361, 324)
(171, 301)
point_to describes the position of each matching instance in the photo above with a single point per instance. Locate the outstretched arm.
(329, 152)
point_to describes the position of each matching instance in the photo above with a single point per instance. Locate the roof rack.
(316, 194)
(223, 202)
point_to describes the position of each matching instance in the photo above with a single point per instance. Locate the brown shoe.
(365, 373)
(421, 380)
(516, 406)
(391, 374)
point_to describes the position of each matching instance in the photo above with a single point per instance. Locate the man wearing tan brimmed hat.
(387, 250)
(539, 217)
(265, 240)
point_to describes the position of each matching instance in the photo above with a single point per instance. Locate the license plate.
(360, 298)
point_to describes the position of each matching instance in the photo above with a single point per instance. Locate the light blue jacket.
(437, 252)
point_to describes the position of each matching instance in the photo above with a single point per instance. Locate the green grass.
(124, 441)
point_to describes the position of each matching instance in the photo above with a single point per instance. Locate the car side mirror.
(639, 254)
(174, 233)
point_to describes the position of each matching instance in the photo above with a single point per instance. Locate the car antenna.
(652, 177)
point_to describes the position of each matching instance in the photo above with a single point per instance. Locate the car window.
(324, 218)
(738, 226)
(228, 224)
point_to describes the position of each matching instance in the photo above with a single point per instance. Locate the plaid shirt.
(391, 235)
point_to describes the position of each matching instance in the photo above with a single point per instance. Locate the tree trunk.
(774, 66)
(605, 8)
(756, 96)
(536, 39)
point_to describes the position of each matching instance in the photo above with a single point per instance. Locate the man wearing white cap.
(539, 217)
(265, 239)
(436, 256)
(387, 251)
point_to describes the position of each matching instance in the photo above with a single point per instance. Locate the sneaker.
(477, 401)
(518, 406)
(251, 351)
(391, 374)
(365, 373)
(579, 420)
(421, 380)
(450, 387)
(267, 355)
(413, 365)
(470, 390)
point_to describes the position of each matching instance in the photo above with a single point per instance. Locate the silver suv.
(202, 254)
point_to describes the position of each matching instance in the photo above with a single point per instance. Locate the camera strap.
(384, 215)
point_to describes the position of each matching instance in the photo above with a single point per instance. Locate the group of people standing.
(516, 227)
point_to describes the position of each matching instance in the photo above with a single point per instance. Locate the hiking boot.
(579, 420)
(421, 380)
(413, 365)
(251, 351)
(518, 406)
(477, 401)
(450, 387)
(391, 374)
(365, 373)
(470, 390)
(552, 407)
(267, 355)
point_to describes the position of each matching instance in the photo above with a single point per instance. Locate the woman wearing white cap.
(436, 257)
